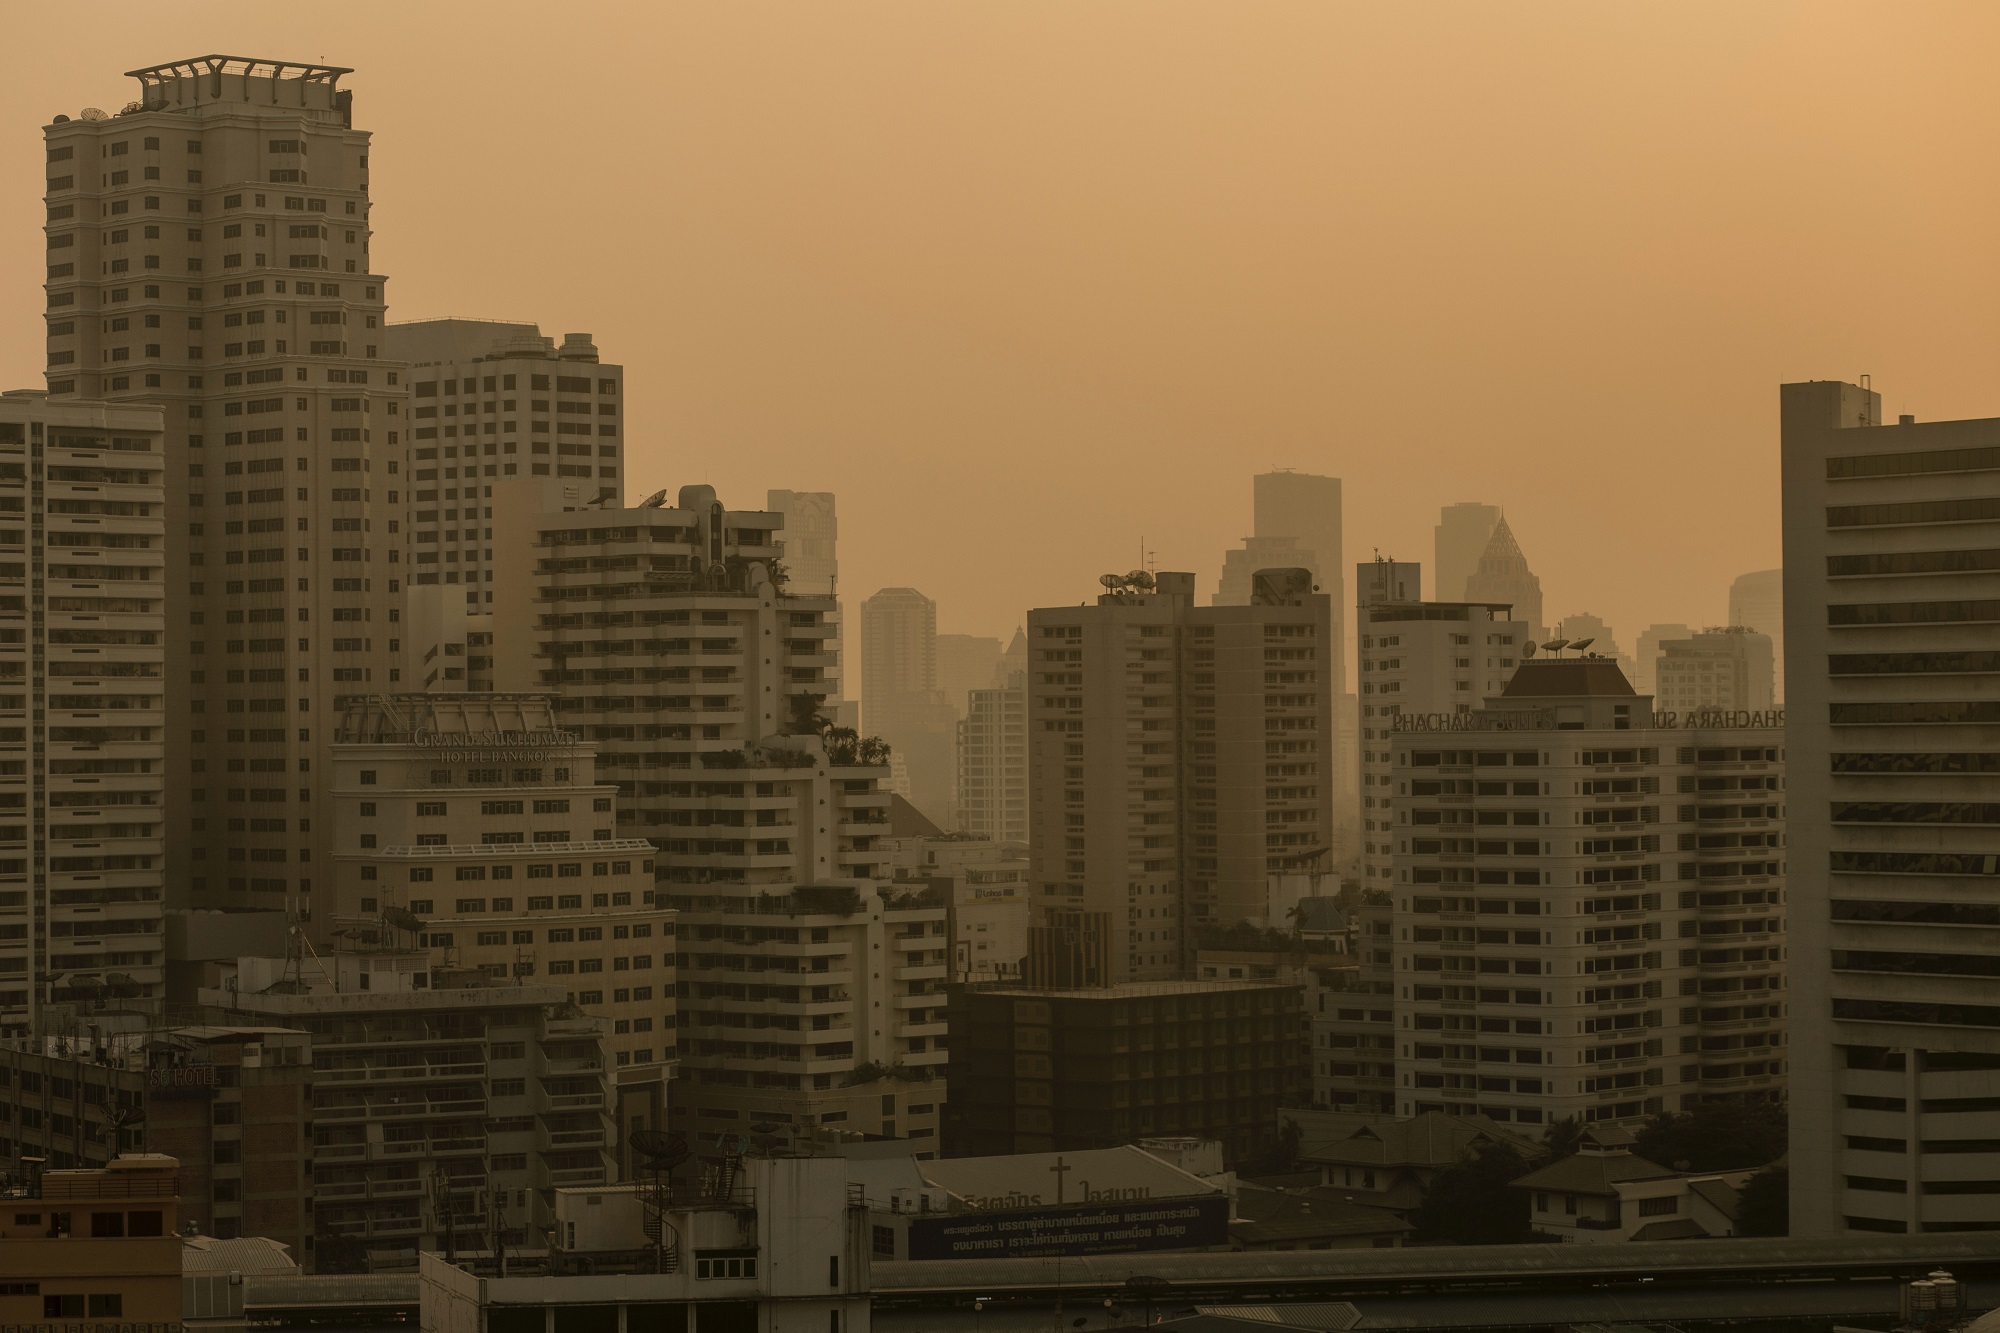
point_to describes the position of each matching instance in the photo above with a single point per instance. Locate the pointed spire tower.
(1503, 576)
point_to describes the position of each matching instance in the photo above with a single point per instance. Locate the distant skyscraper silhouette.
(1503, 576)
(1757, 601)
(1460, 536)
(1646, 664)
(900, 699)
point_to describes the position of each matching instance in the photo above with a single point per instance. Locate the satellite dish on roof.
(1527, 650)
(1555, 645)
(1111, 580)
(1139, 578)
(1580, 644)
(93, 113)
(654, 501)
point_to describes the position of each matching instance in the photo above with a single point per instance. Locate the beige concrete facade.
(1891, 580)
(1727, 669)
(811, 988)
(83, 763)
(94, 1248)
(484, 821)
(1179, 757)
(1421, 658)
(209, 255)
(492, 404)
(1589, 905)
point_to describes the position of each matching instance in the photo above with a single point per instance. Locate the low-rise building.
(1390, 1163)
(232, 1105)
(1320, 1217)
(92, 1248)
(775, 1244)
(1605, 1192)
(1037, 1069)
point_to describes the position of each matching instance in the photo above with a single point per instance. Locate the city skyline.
(899, 387)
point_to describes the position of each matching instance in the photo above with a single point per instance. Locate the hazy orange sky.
(1023, 282)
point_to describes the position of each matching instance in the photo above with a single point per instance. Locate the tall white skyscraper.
(209, 255)
(1757, 601)
(1892, 593)
(82, 687)
(1460, 538)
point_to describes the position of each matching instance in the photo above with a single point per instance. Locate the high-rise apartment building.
(993, 763)
(812, 538)
(1892, 567)
(1502, 575)
(1178, 758)
(82, 682)
(1645, 665)
(475, 826)
(1589, 910)
(209, 255)
(1727, 669)
(1421, 658)
(1459, 539)
(491, 404)
(1757, 601)
(811, 991)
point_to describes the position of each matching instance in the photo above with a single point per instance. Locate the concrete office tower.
(1757, 601)
(1422, 659)
(1646, 663)
(209, 255)
(1725, 669)
(476, 826)
(1502, 575)
(1460, 539)
(696, 683)
(1892, 574)
(491, 404)
(82, 676)
(901, 701)
(474, 1101)
(1589, 912)
(1179, 759)
(993, 763)
(812, 534)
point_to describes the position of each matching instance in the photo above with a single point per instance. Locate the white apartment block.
(1588, 908)
(476, 827)
(1724, 670)
(1179, 758)
(811, 988)
(1892, 593)
(993, 763)
(1421, 658)
(208, 255)
(812, 540)
(492, 404)
(82, 686)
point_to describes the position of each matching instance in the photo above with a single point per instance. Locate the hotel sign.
(494, 747)
(1544, 719)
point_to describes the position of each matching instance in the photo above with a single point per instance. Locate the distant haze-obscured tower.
(1503, 576)
(1461, 535)
(812, 534)
(1757, 601)
(1727, 669)
(1646, 663)
(900, 699)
